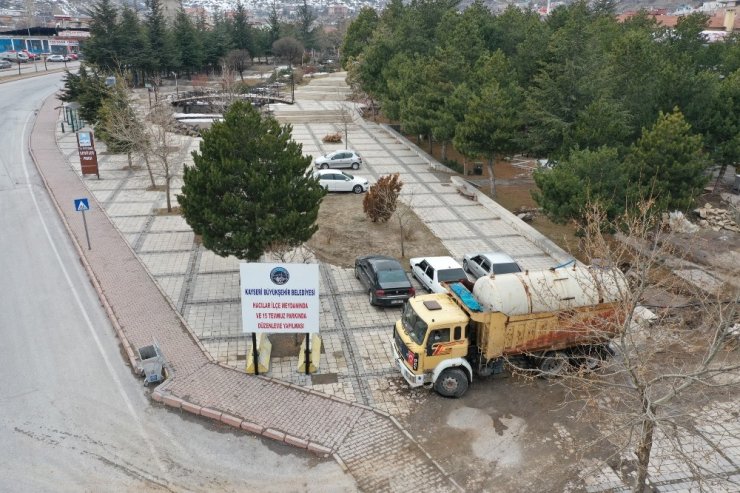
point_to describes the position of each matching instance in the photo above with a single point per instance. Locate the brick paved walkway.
(374, 448)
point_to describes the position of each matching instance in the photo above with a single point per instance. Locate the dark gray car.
(385, 280)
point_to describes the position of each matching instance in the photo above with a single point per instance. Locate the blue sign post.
(82, 205)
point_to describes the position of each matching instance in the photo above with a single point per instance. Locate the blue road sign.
(82, 205)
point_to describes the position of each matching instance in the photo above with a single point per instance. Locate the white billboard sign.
(280, 298)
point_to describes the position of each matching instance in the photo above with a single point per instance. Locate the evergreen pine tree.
(667, 164)
(188, 43)
(241, 35)
(103, 46)
(248, 190)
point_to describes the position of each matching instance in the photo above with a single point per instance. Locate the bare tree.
(346, 118)
(123, 129)
(289, 49)
(287, 253)
(238, 60)
(164, 145)
(674, 351)
(228, 88)
(404, 214)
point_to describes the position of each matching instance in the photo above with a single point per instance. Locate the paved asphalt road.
(72, 415)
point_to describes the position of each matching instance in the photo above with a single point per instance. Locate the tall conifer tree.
(248, 191)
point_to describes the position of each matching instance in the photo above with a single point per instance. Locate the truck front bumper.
(412, 379)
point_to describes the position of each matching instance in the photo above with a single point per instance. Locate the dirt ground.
(345, 232)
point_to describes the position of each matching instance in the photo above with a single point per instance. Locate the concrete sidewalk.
(370, 444)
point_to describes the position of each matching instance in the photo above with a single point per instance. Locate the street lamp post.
(177, 89)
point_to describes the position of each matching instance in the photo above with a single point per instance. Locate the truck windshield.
(414, 326)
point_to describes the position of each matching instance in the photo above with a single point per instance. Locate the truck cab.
(431, 343)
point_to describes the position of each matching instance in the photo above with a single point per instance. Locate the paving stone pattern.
(199, 322)
(143, 314)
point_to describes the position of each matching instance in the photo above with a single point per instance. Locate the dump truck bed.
(498, 334)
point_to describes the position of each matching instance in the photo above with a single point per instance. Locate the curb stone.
(132, 359)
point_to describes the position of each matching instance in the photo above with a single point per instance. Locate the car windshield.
(450, 275)
(506, 268)
(412, 323)
(392, 276)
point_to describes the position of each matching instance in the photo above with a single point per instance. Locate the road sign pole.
(255, 354)
(87, 235)
(308, 353)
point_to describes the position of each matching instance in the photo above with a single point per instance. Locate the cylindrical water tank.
(549, 290)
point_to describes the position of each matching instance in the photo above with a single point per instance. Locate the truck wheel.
(553, 364)
(590, 358)
(451, 383)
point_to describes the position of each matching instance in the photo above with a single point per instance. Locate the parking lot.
(357, 362)
(515, 417)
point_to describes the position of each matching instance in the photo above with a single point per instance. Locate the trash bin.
(478, 169)
(152, 364)
(736, 186)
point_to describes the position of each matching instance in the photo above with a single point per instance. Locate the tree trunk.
(149, 169)
(400, 226)
(431, 143)
(167, 189)
(644, 447)
(491, 178)
(444, 150)
(130, 162)
(721, 175)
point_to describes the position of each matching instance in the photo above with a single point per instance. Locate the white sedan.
(57, 58)
(431, 271)
(339, 181)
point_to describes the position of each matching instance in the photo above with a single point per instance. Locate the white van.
(14, 56)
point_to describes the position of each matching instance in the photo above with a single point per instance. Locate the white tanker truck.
(550, 318)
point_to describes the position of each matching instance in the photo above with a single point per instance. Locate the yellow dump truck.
(547, 319)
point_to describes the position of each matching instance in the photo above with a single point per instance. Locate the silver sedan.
(485, 264)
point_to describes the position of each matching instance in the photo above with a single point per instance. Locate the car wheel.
(324, 166)
(371, 297)
(465, 266)
(357, 189)
(357, 273)
(355, 165)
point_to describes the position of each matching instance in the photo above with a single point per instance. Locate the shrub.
(453, 165)
(381, 200)
(332, 138)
